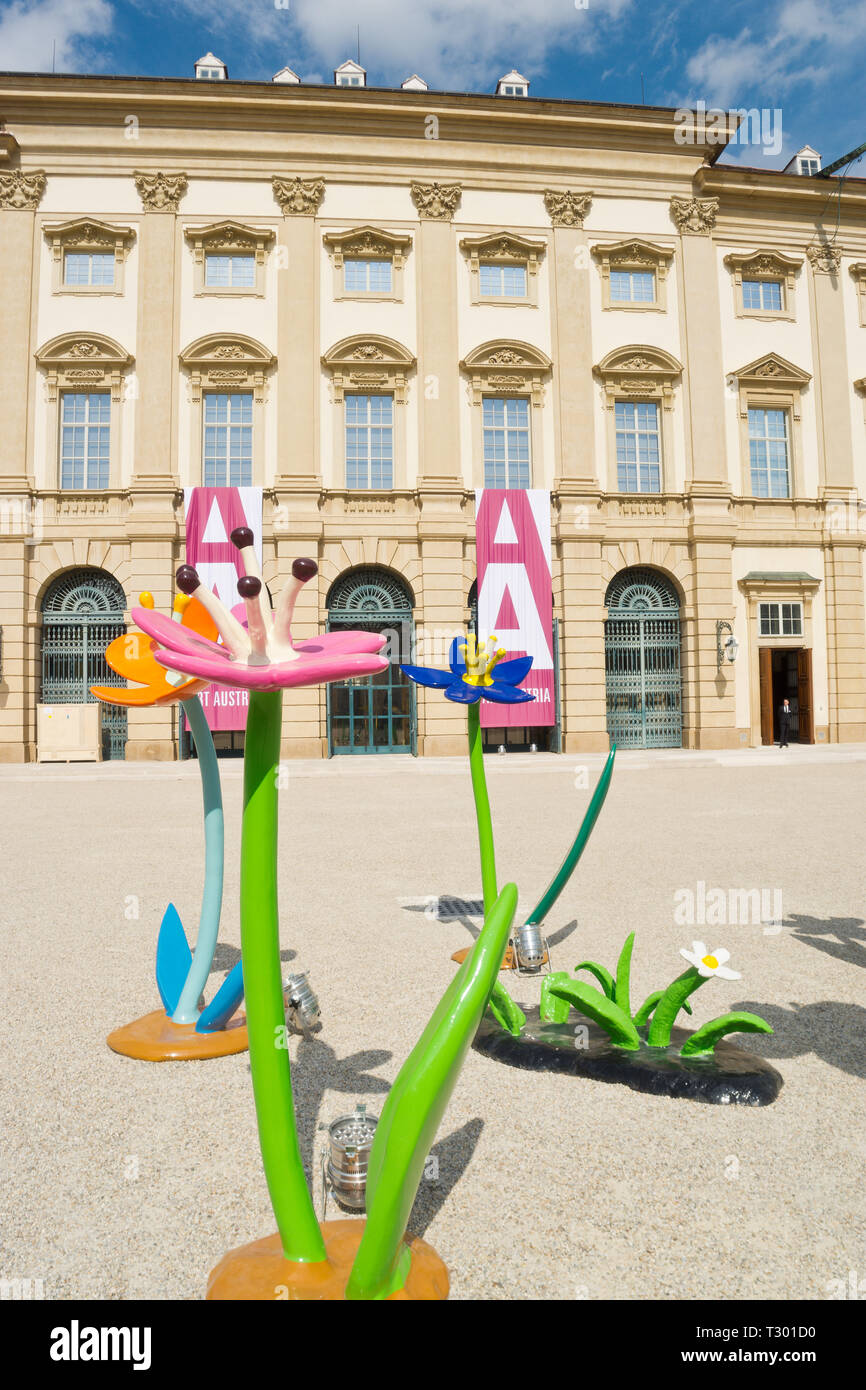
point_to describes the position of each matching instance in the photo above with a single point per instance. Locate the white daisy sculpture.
(709, 963)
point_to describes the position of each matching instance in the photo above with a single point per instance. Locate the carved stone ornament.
(507, 357)
(824, 260)
(107, 361)
(695, 215)
(204, 361)
(368, 241)
(298, 197)
(22, 190)
(507, 367)
(436, 201)
(368, 352)
(567, 209)
(394, 363)
(160, 192)
(648, 372)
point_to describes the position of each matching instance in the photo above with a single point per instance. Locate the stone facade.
(302, 175)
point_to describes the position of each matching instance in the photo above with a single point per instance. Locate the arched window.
(642, 660)
(373, 714)
(81, 613)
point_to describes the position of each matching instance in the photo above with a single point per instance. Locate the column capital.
(21, 189)
(298, 197)
(824, 260)
(566, 207)
(436, 201)
(695, 216)
(160, 192)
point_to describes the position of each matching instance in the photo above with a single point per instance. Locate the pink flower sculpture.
(262, 654)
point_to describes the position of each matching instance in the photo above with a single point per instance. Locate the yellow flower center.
(480, 660)
(710, 962)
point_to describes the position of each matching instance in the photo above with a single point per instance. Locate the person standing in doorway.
(784, 723)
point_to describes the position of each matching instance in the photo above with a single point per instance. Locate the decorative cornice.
(22, 190)
(504, 246)
(298, 197)
(772, 369)
(824, 260)
(639, 370)
(567, 208)
(696, 216)
(86, 233)
(507, 365)
(633, 254)
(368, 362)
(160, 192)
(436, 201)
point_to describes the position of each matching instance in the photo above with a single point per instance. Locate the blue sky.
(804, 58)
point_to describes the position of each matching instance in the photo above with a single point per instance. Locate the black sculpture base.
(730, 1076)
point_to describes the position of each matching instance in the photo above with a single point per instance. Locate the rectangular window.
(768, 453)
(369, 441)
(505, 424)
(762, 294)
(85, 423)
(88, 268)
(228, 439)
(638, 453)
(632, 287)
(366, 277)
(502, 281)
(781, 619)
(230, 272)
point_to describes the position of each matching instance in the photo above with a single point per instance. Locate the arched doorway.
(81, 613)
(642, 660)
(374, 714)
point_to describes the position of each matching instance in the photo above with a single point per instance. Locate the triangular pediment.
(85, 233)
(504, 245)
(773, 368)
(228, 235)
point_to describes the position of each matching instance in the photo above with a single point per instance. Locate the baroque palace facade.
(370, 303)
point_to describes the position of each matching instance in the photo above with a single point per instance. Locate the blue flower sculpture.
(470, 678)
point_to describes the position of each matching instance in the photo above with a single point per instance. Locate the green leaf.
(415, 1105)
(600, 1009)
(623, 971)
(643, 1014)
(673, 999)
(604, 977)
(703, 1041)
(505, 1011)
(553, 1009)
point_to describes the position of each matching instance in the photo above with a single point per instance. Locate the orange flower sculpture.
(132, 656)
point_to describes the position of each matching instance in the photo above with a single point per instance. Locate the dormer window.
(211, 69)
(350, 74)
(805, 162)
(415, 84)
(286, 75)
(513, 84)
(809, 166)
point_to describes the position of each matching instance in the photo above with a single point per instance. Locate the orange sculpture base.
(261, 1271)
(155, 1038)
(507, 959)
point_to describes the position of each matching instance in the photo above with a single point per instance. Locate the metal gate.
(81, 614)
(373, 714)
(642, 661)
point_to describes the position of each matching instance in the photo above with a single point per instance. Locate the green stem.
(669, 1005)
(265, 1008)
(569, 863)
(482, 807)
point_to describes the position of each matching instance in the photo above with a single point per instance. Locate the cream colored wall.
(615, 218)
(745, 340)
(856, 342)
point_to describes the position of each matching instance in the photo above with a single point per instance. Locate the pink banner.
(512, 532)
(212, 513)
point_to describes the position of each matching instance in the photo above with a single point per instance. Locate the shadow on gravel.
(850, 934)
(318, 1069)
(227, 957)
(449, 1158)
(832, 1031)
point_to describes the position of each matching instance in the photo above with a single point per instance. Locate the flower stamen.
(230, 630)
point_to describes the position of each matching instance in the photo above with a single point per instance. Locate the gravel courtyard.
(124, 1179)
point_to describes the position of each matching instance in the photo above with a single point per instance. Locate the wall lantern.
(727, 649)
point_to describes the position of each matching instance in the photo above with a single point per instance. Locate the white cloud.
(31, 32)
(805, 43)
(453, 44)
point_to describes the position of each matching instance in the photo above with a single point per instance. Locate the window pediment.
(88, 234)
(764, 265)
(509, 248)
(772, 370)
(367, 362)
(228, 236)
(368, 241)
(227, 362)
(506, 365)
(639, 371)
(85, 362)
(633, 255)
